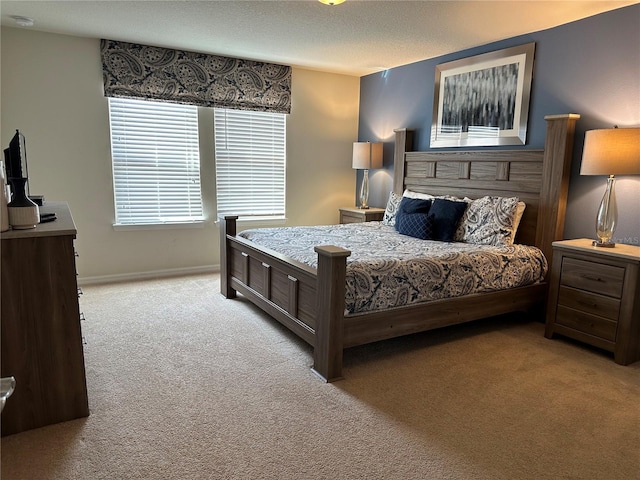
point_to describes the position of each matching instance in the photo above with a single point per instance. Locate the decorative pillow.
(445, 217)
(516, 219)
(392, 208)
(419, 225)
(414, 205)
(489, 221)
(411, 205)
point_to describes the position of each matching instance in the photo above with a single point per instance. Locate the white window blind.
(250, 163)
(156, 162)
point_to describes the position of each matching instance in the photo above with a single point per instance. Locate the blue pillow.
(445, 215)
(415, 205)
(418, 225)
(410, 206)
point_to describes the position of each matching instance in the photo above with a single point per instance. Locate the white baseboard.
(126, 277)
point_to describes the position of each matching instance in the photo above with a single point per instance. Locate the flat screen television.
(15, 157)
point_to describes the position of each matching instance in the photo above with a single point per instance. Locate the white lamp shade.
(613, 151)
(367, 155)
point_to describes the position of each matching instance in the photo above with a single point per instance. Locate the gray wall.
(590, 67)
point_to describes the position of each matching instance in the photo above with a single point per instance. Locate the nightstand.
(594, 297)
(358, 215)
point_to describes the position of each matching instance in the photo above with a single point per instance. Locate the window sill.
(248, 222)
(158, 226)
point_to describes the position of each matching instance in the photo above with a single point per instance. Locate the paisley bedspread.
(387, 269)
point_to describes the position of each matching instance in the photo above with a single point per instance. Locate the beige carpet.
(184, 384)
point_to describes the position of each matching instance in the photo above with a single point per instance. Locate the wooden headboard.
(540, 178)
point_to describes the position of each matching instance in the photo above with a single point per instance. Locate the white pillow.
(422, 196)
(425, 196)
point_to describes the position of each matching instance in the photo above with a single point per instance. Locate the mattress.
(387, 269)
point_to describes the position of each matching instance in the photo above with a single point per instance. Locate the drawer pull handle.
(588, 305)
(594, 279)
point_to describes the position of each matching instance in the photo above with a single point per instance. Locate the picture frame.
(483, 100)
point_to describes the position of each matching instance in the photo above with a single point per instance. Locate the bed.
(310, 297)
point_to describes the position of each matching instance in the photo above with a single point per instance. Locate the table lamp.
(614, 151)
(366, 155)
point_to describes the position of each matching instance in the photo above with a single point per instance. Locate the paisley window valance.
(130, 70)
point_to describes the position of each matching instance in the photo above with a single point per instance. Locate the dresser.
(358, 215)
(594, 297)
(41, 334)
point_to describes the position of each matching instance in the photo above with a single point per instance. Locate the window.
(156, 162)
(250, 163)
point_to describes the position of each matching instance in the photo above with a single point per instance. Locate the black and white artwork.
(483, 100)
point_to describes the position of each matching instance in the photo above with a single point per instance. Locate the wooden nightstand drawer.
(593, 277)
(600, 305)
(358, 215)
(346, 217)
(587, 323)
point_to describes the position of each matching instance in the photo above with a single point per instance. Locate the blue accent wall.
(590, 67)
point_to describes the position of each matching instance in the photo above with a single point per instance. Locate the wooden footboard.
(307, 301)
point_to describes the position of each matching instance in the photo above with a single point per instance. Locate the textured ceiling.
(357, 37)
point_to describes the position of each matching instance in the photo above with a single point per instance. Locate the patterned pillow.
(516, 220)
(418, 225)
(446, 215)
(392, 208)
(489, 221)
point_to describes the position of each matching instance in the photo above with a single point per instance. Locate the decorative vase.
(23, 212)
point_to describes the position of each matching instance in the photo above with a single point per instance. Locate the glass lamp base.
(597, 243)
(364, 191)
(607, 217)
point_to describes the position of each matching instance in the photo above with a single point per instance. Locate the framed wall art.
(483, 100)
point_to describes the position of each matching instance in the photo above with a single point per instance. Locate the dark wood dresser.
(41, 335)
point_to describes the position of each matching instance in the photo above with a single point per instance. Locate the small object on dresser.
(37, 199)
(23, 212)
(47, 217)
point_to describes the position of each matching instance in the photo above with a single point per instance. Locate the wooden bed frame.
(310, 302)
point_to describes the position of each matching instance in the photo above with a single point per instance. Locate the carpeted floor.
(184, 384)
